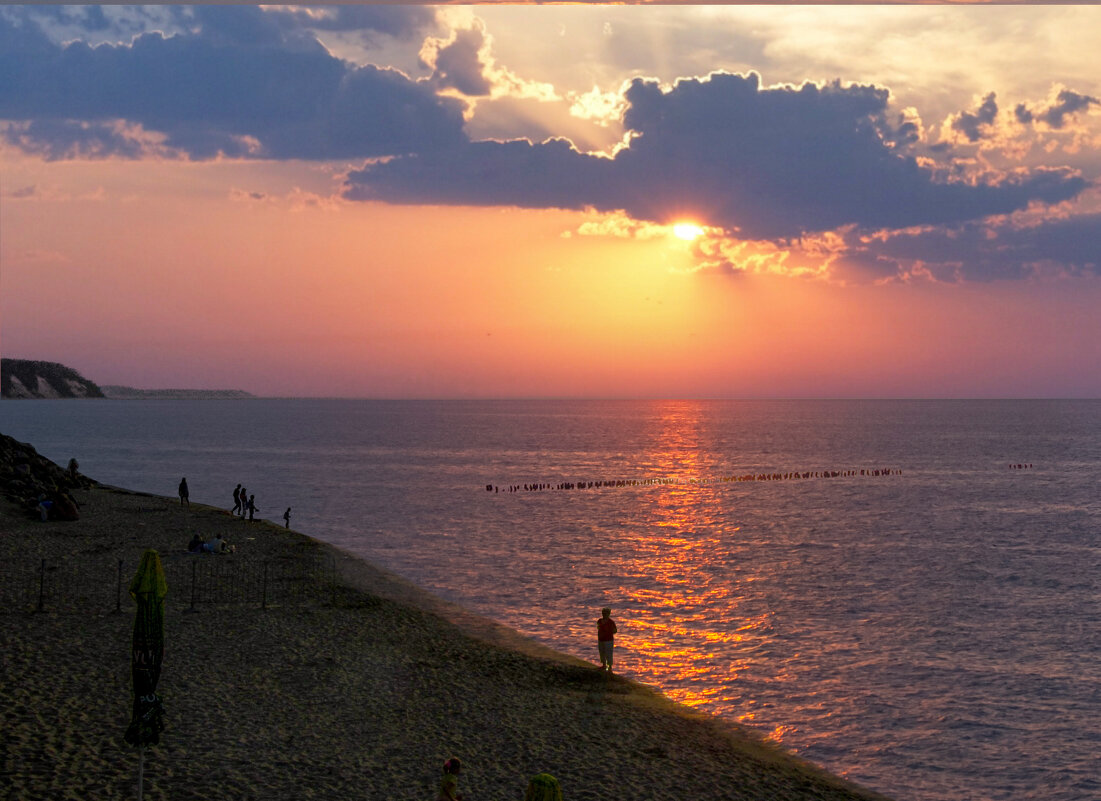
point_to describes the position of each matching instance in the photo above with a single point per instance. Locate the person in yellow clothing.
(543, 787)
(449, 784)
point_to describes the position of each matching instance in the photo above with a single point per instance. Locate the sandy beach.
(357, 688)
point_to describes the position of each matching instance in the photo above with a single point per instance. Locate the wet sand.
(360, 692)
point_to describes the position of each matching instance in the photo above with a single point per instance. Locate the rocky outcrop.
(24, 378)
(26, 477)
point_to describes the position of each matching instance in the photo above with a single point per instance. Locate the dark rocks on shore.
(26, 476)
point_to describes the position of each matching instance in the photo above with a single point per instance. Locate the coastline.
(362, 691)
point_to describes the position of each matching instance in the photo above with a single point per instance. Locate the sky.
(497, 201)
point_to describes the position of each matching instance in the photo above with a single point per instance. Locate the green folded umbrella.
(543, 787)
(148, 590)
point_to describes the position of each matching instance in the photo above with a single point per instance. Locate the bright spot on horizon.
(687, 231)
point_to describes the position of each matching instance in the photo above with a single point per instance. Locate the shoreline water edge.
(294, 670)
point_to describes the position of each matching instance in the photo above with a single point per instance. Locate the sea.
(903, 592)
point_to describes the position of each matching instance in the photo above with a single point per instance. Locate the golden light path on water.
(682, 604)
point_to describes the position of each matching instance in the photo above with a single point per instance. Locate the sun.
(687, 231)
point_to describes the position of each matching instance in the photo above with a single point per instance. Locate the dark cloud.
(985, 252)
(972, 123)
(68, 139)
(905, 133)
(399, 21)
(88, 18)
(239, 25)
(516, 173)
(458, 64)
(1067, 103)
(239, 85)
(765, 163)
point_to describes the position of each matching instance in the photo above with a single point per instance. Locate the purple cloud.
(1067, 103)
(971, 124)
(985, 252)
(458, 64)
(241, 85)
(402, 22)
(764, 163)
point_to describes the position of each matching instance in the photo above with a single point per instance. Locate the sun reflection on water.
(674, 585)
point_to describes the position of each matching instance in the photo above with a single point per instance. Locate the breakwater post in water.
(660, 482)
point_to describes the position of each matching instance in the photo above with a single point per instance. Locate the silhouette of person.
(236, 501)
(287, 518)
(605, 638)
(184, 499)
(449, 784)
(252, 510)
(244, 502)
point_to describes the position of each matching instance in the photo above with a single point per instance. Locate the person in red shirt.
(605, 638)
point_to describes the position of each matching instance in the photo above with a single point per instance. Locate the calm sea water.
(932, 634)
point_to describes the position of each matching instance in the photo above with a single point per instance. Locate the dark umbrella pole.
(148, 589)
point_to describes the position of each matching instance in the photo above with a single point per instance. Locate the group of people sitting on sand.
(57, 504)
(542, 787)
(216, 545)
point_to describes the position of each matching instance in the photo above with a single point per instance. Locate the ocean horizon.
(902, 591)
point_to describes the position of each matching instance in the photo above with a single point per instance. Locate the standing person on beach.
(244, 502)
(184, 499)
(605, 638)
(252, 510)
(449, 784)
(236, 501)
(287, 517)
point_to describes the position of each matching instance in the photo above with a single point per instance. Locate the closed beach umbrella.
(147, 718)
(543, 787)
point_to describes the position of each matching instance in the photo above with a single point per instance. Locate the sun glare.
(686, 231)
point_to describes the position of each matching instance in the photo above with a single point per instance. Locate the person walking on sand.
(184, 499)
(236, 501)
(543, 787)
(252, 510)
(449, 784)
(287, 517)
(244, 502)
(605, 638)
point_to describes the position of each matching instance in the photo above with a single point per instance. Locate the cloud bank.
(763, 163)
(244, 84)
(777, 164)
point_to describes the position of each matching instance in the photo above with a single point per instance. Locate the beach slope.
(356, 685)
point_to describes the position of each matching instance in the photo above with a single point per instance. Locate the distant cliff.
(23, 378)
(115, 392)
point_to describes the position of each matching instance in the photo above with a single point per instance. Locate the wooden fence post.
(332, 582)
(41, 585)
(264, 601)
(194, 567)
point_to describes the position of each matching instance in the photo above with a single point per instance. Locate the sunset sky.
(584, 201)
